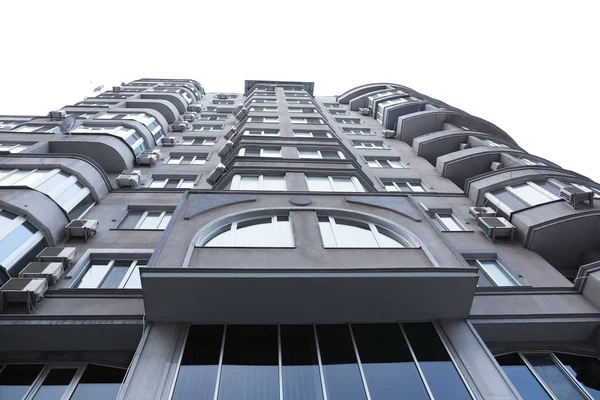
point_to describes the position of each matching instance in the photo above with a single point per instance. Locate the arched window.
(348, 232)
(264, 231)
(20, 242)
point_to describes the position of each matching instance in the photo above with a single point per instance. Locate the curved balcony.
(177, 100)
(165, 107)
(348, 96)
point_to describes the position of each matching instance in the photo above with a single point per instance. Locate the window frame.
(25, 247)
(409, 183)
(235, 182)
(134, 264)
(233, 227)
(166, 178)
(307, 121)
(354, 180)
(403, 243)
(341, 154)
(370, 145)
(203, 139)
(262, 132)
(201, 128)
(349, 121)
(263, 109)
(196, 158)
(358, 132)
(164, 214)
(311, 134)
(370, 160)
(499, 266)
(263, 120)
(242, 152)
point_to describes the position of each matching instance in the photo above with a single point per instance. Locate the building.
(160, 242)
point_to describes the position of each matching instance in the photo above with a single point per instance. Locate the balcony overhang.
(249, 84)
(303, 296)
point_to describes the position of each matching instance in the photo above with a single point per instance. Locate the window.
(348, 121)
(302, 110)
(223, 102)
(321, 154)
(264, 101)
(334, 184)
(338, 112)
(93, 104)
(491, 143)
(312, 134)
(296, 94)
(38, 129)
(346, 233)
(403, 186)
(268, 231)
(527, 161)
(492, 273)
(129, 135)
(542, 374)
(111, 274)
(200, 128)
(300, 362)
(53, 381)
(145, 119)
(370, 144)
(354, 131)
(371, 99)
(293, 101)
(446, 221)
(257, 182)
(188, 158)
(332, 105)
(212, 118)
(263, 109)
(20, 242)
(8, 125)
(198, 141)
(63, 188)
(257, 152)
(142, 219)
(309, 121)
(264, 120)
(158, 182)
(524, 195)
(12, 147)
(261, 132)
(376, 162)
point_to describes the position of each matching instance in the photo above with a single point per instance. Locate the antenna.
(99, 88)
(67, 124)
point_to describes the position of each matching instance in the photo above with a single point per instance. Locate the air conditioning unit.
(129, 178)
(496, 165)
(242, 113)
(388, 133)
(179, 126)
(50, 271)
(364, 111)
(169, 141)
(221, 96)
(478, 212)
(226, 149)
(57, 115)
(464, 146)
(23, 291)
(64, 255)
(495, 227)
(574, 195)
(116, 89)
(148, 157)
(232, 132)
(189, 116)
(196, 107)
(238, 109)
(216, 173)
(85, 228)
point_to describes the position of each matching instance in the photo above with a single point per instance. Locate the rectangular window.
(187, 159)
(307, 121)
(374, 162)
(261, 132)
(112, 274)
(198, 141)
(404, 186)
(524, 195)
(38, 129)
(492, 273)
(491, 143)
(212, 118)
(334, 184)
(332, 105)
(354, 121)
(12, 147)
(223, 102)
(527, 161)
(257, 182)
(302, 110)
(355, 131)
(200, 128)
(321, 154)
(171, 183)
(371, 144)
(263, 109)
(446, 221)
(148, 220)
(257, 152)
(264, 120)
(338, 112)
(290, 101)
(264, 101)
(312, 134)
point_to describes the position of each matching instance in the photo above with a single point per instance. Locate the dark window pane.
(553, 376)
(342, 377)
(198, 371)
(80, 207)
(509, 200)
(388, 366)
(439, 371)
(585, 369)
(10, 242)
(55, 384)
(15, 380)
(131, 220)
(99, 383)
(115, 276)
(521, 378)
(250, 364)
(301, 377)
(483, 279)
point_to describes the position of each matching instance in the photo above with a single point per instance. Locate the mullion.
(130, 270)
(111, 264)
(537, 376)
(359, 363)
(568, 374)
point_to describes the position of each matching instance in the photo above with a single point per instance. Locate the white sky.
(530, 67)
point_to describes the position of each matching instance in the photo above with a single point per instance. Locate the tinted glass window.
(99, 383)
(15, 380)
(520, 376)
(301, 378)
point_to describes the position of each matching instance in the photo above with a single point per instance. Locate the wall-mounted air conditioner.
(495, 227)
(496, 165)
(116, 89)
(242, 113)
(221, 96)
(64, 255)
(197, 107)
(168, 141)
(574, 195)
(129, 178)
(232, 132)
(189, 116)
(57, 115)
(478, 212)
(364, 111)
(388, 133)
(464, 146)
(179, 126)
(226, 149)
(148, 157)
(216, 173)
(85, 228)
(237, 109)
(26, 291)
(50, 271)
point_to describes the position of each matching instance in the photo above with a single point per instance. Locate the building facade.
(161, 242)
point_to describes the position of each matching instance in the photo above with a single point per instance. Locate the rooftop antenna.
(66, 125)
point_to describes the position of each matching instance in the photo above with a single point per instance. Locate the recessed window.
(307, 121)
(112, 274)
(20, 242)
(302, 110)
(492, 273)
(223, 102)
(261, 132)
(264, 120)
(38, 129)
(212, 118)
(348, 233)
(258, 152)
(332, 105)
(338, 112)
(270, 231)
(355, 131)
(527, 161)
(524, 195)
(263, 109)
(187, 159)
(369, 144)
(141, 219)
(404, 186)
(12, 147)
(296, 94)
(312, 134)
(93, 104)
(491, 143)
(198, 141)
(446, 221)
(200, 128)
(257, 182)
(6, 124)
(334, 184)
(264, 101)
(321, 154)
(354, 121)
(378, 162)
(295, 101)
(145, 119)
(171, 183)
(129, 135)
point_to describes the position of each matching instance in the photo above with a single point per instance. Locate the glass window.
(263, 132)
(530, 194)
(355, 131)
(334, 184)
(187, 159)
(320, 154)
(553, 376)
(404, 186)
(372, 144)
(171, 183)
(384, 162)
(15, 380)
(349, 233)
(99, 383)
(111, 274)
(582, 370)
(198, 141)
(257, 152)
(300, 365)
(137, 219)
(492, 273)
(521, 377)
(273, 231)
(448, 222)
(257, 182)
(311, 134)
(55, 384)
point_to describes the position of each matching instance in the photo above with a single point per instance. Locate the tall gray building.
(160, 242)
